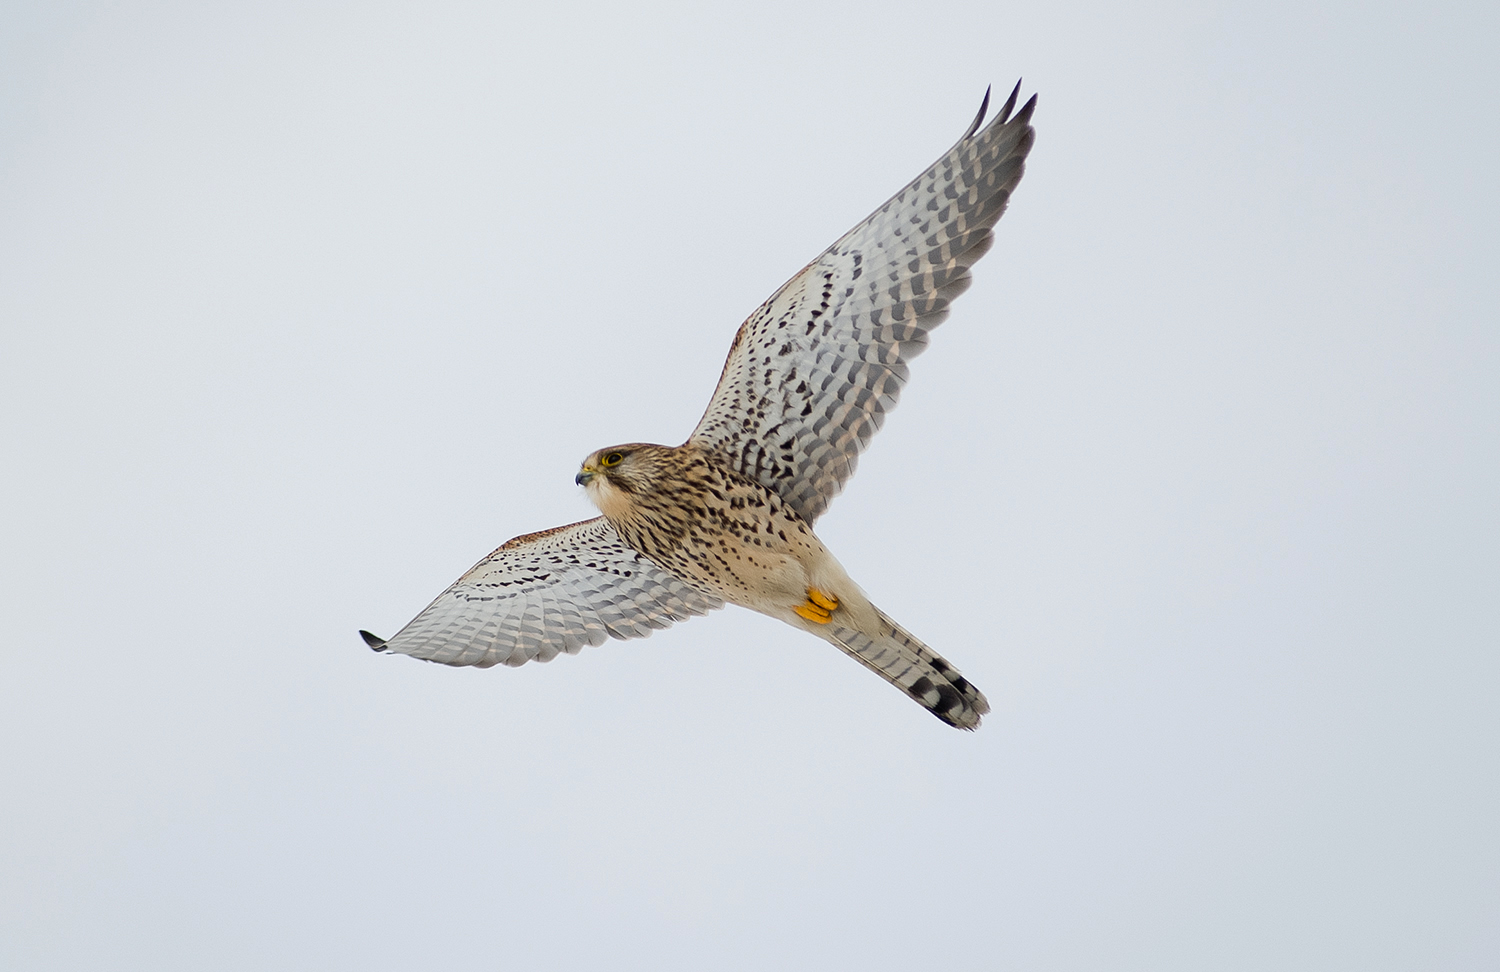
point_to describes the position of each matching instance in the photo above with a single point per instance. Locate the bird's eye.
(612, 459)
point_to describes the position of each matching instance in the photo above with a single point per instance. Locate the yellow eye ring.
(612, 459)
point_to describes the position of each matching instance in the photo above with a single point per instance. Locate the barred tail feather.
(901, 659)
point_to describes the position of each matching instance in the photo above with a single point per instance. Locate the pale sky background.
(305, 307)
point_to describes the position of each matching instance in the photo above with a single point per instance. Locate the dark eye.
(612, 459)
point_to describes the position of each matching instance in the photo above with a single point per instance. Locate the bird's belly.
(751, 570)
(751, 561)
(762, 580)
(731, 536)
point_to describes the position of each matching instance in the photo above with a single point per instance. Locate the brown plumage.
(728, 516)
(689, 512)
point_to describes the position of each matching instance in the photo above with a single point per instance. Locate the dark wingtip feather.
(1009, 103)
(1024, 115)
(984, 106)
(374, 641)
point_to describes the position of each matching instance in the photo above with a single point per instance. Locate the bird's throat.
(613, 502)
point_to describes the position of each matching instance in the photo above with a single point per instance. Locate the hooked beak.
(583, 477)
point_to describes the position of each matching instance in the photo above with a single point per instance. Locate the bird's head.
(614, 478)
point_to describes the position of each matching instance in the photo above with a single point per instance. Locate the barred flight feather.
(823, 360)
(548, 593)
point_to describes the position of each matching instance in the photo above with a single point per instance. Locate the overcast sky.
(305, 307)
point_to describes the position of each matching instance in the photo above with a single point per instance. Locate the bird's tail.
(899, 658)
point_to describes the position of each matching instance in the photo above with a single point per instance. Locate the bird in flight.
(728, 515)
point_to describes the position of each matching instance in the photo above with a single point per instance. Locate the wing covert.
(812, 373)
(546, 593)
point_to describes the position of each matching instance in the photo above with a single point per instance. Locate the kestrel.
(728, 515)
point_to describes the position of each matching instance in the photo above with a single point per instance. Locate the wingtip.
(1024, 115)
(984, 106)
(1003, 115)
(1010, 103)
(374, 641)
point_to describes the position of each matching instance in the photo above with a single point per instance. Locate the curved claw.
(819, 607)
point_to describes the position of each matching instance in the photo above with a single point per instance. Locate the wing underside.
(548, 593)
(813, 372)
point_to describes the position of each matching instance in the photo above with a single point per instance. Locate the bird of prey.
(728, 515)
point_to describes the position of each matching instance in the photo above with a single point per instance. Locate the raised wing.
(813, 371)
(545, 593)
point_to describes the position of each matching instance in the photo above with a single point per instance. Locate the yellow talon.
(825, 601)
(819, 607)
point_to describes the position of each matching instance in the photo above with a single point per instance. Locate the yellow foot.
(825, 601)
(819, 607)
